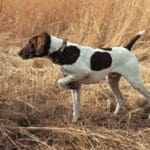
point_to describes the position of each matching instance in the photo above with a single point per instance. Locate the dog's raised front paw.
(61, 83)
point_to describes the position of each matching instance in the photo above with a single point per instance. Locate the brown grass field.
(36, 113)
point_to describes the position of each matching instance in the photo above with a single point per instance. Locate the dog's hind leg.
(113, 81)
(137, 84)
(133, 77)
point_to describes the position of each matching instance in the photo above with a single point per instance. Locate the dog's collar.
(56, 55)
(47, 45)
(63, 46)
(61, 49)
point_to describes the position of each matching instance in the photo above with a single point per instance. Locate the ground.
(36, 113)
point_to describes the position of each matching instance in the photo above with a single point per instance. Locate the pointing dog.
(85, 65)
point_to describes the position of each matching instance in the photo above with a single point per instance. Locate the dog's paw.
(61, 83)
(75, 119)
(71, 85)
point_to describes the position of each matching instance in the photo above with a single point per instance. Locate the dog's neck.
(56, 43)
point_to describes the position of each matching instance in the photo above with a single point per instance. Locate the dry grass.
(35, 113)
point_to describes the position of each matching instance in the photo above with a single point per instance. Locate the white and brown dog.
(85, 65)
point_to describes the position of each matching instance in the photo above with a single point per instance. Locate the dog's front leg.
(76, 104)
(70, 82)
(69, 79)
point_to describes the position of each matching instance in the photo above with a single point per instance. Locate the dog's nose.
(20, 53)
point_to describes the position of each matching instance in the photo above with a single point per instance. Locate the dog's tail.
(133, 40)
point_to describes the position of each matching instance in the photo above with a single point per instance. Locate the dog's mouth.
(25, 55)
(22, 55)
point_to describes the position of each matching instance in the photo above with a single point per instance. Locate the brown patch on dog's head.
(37, 46)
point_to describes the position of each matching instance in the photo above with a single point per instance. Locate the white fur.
(123, 63)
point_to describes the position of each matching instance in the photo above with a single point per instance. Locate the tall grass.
(98, 22)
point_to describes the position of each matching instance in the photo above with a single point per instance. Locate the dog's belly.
(92, 78)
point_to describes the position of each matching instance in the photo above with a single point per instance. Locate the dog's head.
(37, 46)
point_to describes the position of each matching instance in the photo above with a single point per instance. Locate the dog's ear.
(40, 44)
